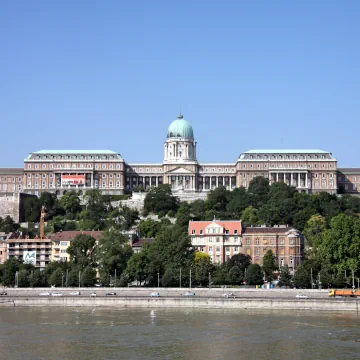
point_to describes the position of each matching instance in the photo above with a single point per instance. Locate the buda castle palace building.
(58, 171)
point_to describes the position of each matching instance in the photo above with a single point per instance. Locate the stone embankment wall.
(276, 299)
(173, 292)
(181, 302)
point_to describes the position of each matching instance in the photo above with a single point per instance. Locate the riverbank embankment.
(276, 299)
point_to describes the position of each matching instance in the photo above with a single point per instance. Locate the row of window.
(74, 157)
(214, 230)
(9, 179)
(142, 170)
(5, 187)
(286, 166)
(340, 178)
(288, 157)
(216, 170)
(74, 166)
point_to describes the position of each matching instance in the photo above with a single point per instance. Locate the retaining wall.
(351, 305)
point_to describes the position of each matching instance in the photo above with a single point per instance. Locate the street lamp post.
(180, 277)
(158, 280)
(79, 278)
(62, 280)
(209, 280)
(190, 278)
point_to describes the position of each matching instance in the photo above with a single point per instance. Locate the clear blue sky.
(112, 75)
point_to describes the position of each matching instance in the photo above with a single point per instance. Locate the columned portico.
(298, 179)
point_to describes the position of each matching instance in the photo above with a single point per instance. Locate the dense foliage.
(331, 225)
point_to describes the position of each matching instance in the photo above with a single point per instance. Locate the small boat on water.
(152, 313)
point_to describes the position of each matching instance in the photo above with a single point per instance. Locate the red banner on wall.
(73, 179)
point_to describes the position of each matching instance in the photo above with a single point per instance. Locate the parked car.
(93, 294)
(110, 294)
(228, 295)
(45, 294)
(301, 296)
(75, 293)
(189, 293)
(3, 293)
(154, 294)
(56, 294)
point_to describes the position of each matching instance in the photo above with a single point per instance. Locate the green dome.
(180, 128)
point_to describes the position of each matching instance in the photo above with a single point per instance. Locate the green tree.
(129, 217)
(88, 277)
(238, 203)
(8, 269)
(218, 199)
(326, 278)
(314, 229)
(70, 201)
(57, 278)
(284, 276)
(114, 252)
(8, 225)
(73, 278)
(235, 276)
(170, 277)
(301, 278)
(254, 275)
(82, 251)
(242, 261)
(269, 265)
(197, 209)
(95, 209)
(203, 267)
(250, 216)
(258, 191)
(23, 278)
(171, 248)
(220, 275)
(160, 199)
(280, 207)
(149, 228)
(137, 265)
(37, 278)
(340, 246)
(339, 280)
(52, 206)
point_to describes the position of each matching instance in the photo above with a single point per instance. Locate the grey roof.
(11, 171)
(102, 152)
(287, 151)
(349, 170)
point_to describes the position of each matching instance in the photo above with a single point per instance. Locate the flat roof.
(287, 151)
(104, 152)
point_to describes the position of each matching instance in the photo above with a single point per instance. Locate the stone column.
(298, 180)
(291, 179)
(306, 181)
(217, 181)
(277, 177)
(92, 180)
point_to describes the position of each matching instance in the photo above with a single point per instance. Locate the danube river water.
(71, 333)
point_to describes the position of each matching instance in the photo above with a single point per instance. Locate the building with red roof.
(221, 239)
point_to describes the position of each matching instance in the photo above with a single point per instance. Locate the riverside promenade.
(275, 299)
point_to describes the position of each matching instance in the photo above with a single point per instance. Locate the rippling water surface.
(63, 333)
